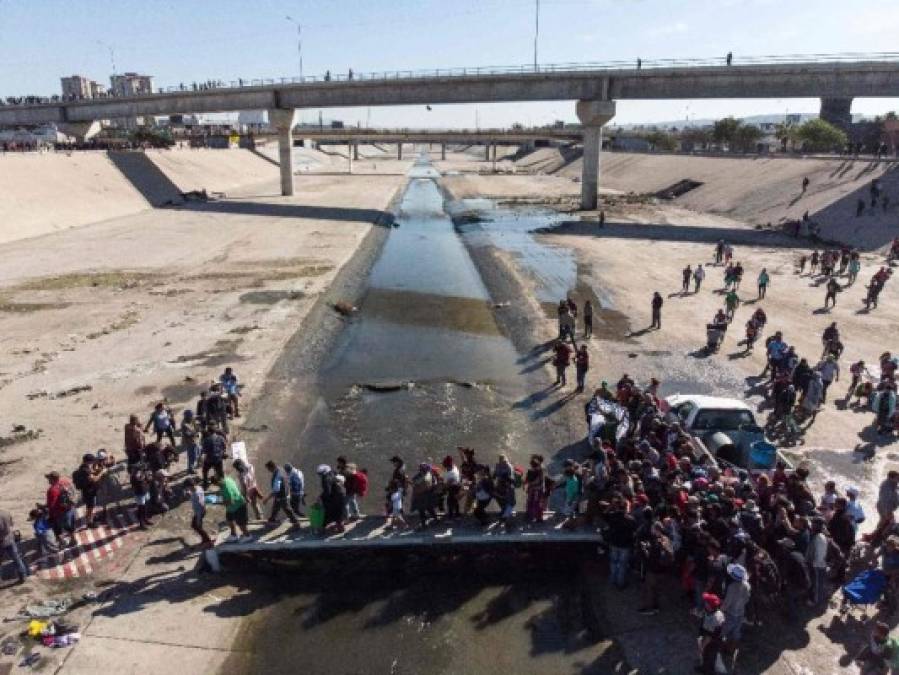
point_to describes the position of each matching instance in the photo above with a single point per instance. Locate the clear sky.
(188, 40)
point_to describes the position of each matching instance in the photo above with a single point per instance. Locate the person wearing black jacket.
(620, 533)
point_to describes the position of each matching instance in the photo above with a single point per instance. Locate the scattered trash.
(45, 609)
(66, 640)
(18, 428)
(500, 305)
(90, 596)
(9, 648)
(36, 628)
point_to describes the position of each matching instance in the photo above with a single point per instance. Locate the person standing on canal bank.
(764, 280)
(561, 360)
(235, 508)
(588, 320)
(198, 509)
(581, 365)
(833, 287)
(686, 274)
(657, 311)
(698, 276)
(8, 546)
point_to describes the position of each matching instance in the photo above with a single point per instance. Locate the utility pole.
(299, 42)
(536, 29)
(111, 54)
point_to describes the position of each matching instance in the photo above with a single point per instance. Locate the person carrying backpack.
(61, 506)
(86, 478)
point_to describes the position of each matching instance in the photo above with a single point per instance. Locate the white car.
(725, 429)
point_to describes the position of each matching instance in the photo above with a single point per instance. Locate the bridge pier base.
(356, 151)
(593, 115)
(282, 120)
(837, 111)
(80, 131)
(443, 151)
(351, 154)
(399, 150)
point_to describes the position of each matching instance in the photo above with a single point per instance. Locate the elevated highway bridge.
(835, 79)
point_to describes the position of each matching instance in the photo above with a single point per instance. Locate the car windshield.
(723, 420)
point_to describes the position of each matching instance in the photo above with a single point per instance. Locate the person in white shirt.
(452, 479)
(817, 562)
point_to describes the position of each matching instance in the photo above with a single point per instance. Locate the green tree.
(725, 130)
(697, 137)
(788, 135)
(662, 140)
(746, 137)
(820, 136)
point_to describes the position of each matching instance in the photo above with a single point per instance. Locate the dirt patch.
(270, 297)
(243, 330)
(146, 390)
(26, 307)
(128, 319)
(182, 393)
(222, 352)
(113, 279)
(19, 435)
(264, 274)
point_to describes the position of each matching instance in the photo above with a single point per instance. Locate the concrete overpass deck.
(370, 535)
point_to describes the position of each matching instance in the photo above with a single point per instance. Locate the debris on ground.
(74, 390)
(19, 435)
(344, 308)
(45, 609)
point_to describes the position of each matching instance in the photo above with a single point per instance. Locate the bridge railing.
(574, 66)
(478, 71)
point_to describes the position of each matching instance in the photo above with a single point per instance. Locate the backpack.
(518, 477)
(360, 483)
(67, 496)
(79, 479)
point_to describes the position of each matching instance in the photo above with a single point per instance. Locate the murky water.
(420, 370)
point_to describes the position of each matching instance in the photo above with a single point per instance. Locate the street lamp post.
(299, 42)
(536, 30)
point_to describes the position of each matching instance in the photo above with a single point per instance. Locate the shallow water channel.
(422, 368)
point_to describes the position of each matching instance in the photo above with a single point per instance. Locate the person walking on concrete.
(297, 484)
(855, 267)
(246, 480)
(698, 276)
(657, 303)
(830, 373)
(687, 274)
(764, 280)
(235, 509)
(582, 365)
(588, 320)
(8, 546)
(731, 302)
(61, 506)
(213, 454)
(561, 360)
(833, 287)
(729, 59)
(163, 423)
(278, 495)
(198, 509)
(805, 184)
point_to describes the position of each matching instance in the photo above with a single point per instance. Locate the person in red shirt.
(561, 361)
(61, 506)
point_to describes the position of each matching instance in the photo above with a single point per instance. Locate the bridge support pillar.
(593, 115)
(282, 120)
(443, 151)
(356, 151)
(837, 111)
(399, 150)
(351, 154)
(80, 131)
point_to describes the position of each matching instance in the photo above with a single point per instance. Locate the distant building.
(97, 90)
(77, 86)
(131, 84)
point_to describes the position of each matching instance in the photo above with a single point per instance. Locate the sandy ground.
(153, 305)
(754, 190)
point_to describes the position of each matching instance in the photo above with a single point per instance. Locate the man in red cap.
(710, 629)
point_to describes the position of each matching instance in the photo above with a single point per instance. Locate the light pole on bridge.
(299, 42)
